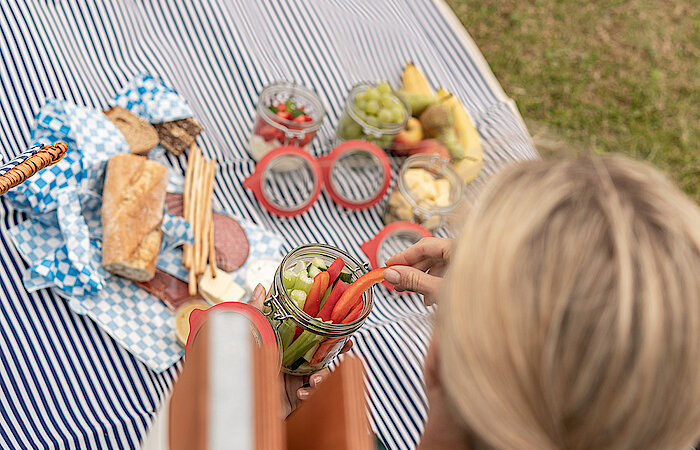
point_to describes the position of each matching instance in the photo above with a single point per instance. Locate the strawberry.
(285, 115)
(280, 107)
(300, 118)
(269, 133)
(307, 138)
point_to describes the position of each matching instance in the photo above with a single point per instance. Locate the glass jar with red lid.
(286, 114)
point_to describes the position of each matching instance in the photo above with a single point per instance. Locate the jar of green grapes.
(373, 112)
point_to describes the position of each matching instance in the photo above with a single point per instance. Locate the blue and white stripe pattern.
(63, 382)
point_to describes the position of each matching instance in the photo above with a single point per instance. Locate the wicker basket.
(28, 163)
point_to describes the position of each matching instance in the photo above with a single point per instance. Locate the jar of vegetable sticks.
(310, 343)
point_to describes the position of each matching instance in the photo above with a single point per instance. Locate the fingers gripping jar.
(310, 344)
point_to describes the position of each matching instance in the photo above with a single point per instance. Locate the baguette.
(132, 212)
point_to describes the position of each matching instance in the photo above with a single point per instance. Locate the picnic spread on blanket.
(181, 172)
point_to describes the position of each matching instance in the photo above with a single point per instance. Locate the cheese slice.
(220, 289)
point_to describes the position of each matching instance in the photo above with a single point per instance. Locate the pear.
(417, 102)
(438, 123)
(436, 119)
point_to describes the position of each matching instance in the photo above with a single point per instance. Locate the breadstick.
(208, 183)
(200, 169)
(192, 204)
(189, 202)
(208, 227)
(192, 282)
(186, 199)
(212, 251)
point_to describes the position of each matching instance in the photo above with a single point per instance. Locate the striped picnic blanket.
(64, 383)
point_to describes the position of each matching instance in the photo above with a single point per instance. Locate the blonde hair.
(571, 314)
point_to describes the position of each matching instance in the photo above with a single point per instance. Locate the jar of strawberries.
(287, 114)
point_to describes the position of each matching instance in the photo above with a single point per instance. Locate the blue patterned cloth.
(60, 242)
(148, 97)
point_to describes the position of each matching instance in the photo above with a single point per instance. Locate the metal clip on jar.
(320, 341)
(270, 130)
(410, 204)
(355, 124)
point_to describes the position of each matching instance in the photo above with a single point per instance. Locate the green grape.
(361, 104)
(351, 130)
(372, 121)
(372, 107)
(372, 94)
(363, 116)
(398, 113)
(388, 101)
(384, 87)
(386, 115)
(385, 141)
(361, 96)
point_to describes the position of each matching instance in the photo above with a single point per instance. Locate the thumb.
(405, 278)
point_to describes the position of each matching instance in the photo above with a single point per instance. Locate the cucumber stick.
(325, 296)
(313, 271)
(346, 277)
(318, 262)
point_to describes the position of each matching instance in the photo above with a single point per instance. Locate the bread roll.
(139, 134)
(132, 212)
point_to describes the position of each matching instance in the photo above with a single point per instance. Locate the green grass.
(603, 76)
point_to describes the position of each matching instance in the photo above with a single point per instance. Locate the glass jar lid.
(390, 240)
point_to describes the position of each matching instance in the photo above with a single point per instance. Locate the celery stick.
(299, 347)
(286, 332)
(298, 297)
(304, 283)
(289, 278)
(310, 354)
(313, 271)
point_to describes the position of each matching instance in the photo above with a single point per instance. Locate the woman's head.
(571, 310)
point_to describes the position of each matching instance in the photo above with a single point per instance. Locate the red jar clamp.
(257, 319)
(390, 240)
(288, 180)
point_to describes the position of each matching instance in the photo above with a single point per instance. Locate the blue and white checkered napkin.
(148, 97)
(61, 240)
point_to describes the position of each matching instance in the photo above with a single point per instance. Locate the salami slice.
(230, 240)
(172, 291)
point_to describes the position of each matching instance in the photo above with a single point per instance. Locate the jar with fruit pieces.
(374, 113)
(286, 114)
(428, 190)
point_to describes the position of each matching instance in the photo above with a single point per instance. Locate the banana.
(468, 168)
(467, 134)
(414, 81)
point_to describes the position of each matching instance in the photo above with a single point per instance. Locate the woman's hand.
(295, 388)
(420, 267)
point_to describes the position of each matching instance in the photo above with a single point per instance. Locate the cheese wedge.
(219, 289)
